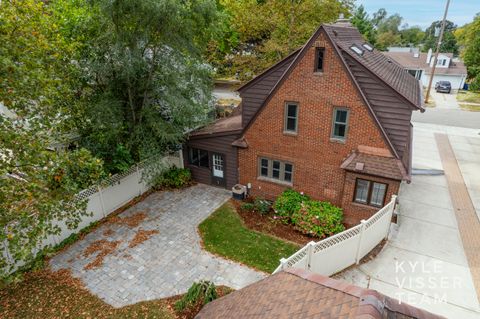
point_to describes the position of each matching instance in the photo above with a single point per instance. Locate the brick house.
(332, 119)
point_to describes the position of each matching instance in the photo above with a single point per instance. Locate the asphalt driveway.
(152, 250)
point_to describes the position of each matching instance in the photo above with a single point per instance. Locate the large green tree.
(364, 24)
(145, 76)
(387, 29)
(412, 36)
(266, 31)
(449, 43)
(38, 84)
(468, 37)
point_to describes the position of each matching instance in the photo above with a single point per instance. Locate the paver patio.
(165, 264)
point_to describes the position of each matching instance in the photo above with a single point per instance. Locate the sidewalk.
(424, 262)
(467, 219)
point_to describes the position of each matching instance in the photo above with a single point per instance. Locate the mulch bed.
(265, 223)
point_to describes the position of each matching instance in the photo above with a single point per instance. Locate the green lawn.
(223, 233)
(468, 96)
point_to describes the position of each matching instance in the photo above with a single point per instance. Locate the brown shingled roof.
(388, 167)
(224, 125)
(345, 36)
(297, 293)
(407, 60)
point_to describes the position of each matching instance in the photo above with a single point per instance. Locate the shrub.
(200, 292)
(172, 178)
(261, 205)
(318, 218)
(289, 202)
(248, 207)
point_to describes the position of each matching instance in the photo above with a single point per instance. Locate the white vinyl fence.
(104, 199)
(344, 249)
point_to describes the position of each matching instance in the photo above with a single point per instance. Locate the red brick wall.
(316, 158)
(355, 212)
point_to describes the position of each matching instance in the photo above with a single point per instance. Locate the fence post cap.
(363, 221)
(283, 260)
(394, 197)
(311, 243)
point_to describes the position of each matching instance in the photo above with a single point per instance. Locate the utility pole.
(439, 43)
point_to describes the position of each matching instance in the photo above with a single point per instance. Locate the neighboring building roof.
(231, 124)
(382, 166)
(408, 61)
(297, 293)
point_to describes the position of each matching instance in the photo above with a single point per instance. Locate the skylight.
(368, 47)
(357, 50)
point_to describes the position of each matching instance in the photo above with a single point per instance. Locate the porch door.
(218, 170)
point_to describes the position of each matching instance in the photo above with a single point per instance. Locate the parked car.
(443, 86)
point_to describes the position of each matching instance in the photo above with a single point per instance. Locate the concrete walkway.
(424, 262)
(444, 100)
(153, 250)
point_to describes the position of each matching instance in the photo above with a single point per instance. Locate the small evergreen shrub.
(173, 178)
(320, 219)
(289, 202)
(200, 292)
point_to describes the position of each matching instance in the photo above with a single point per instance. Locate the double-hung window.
(275, 170)
(198, 157)
(291, 118)
(369, 192)
(340, 123)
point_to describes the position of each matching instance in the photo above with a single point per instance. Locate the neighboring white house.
(420, 66)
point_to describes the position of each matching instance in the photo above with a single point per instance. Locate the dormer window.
(368, 47)
(319, 57)
(442, 62)
(357, 50)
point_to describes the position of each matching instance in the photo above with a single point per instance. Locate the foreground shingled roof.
(301, 294)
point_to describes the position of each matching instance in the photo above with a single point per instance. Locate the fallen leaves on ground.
(47, 294)
(108, 232)
(103, 247)
(141, 236)
(130, 221)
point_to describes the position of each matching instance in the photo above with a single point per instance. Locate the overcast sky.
(423, 12)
